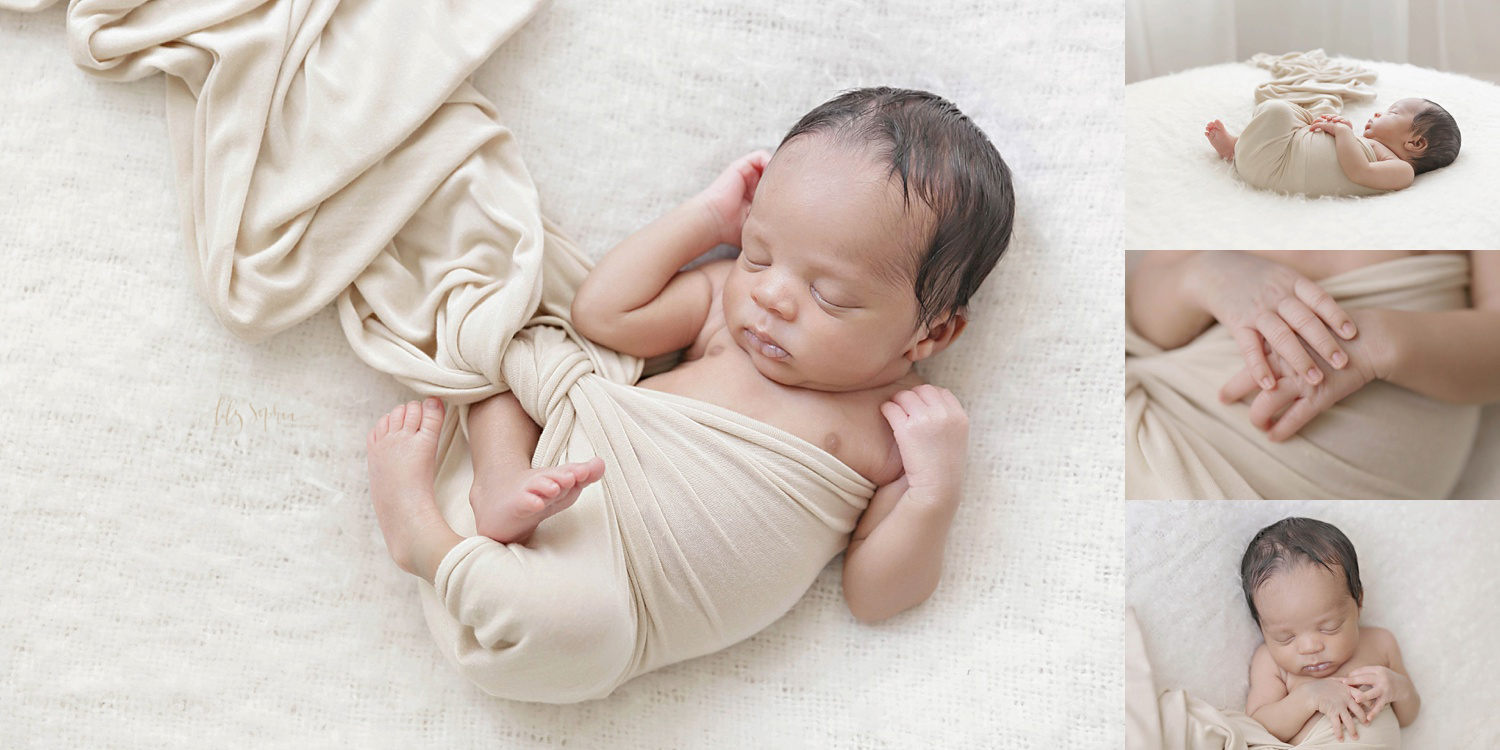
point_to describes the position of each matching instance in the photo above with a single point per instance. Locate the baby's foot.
(510, 512)
(1221, 139)
(402, 452)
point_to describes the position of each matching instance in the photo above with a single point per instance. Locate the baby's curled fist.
(932, 433)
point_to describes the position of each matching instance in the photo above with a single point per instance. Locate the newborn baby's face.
(821, 296)
(1309, 620)
(1394, 124)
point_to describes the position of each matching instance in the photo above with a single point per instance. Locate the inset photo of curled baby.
(1314, 625)
(1281, 124)
(1314, 374)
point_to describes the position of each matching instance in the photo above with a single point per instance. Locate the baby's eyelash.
(826, 302)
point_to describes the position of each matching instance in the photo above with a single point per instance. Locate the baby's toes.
(397, 416)
(543, 487)
(382, 427)
(588, 471)
(413, 417)
(432, 416)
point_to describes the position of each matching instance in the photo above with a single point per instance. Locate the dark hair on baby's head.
(1441, 131)
(948, 162)
(1294, 541)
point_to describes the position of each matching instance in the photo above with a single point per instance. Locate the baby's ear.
(1417, 145)
(940, 334)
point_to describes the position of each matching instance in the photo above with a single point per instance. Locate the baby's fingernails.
(1314, 376)
(1268, 384)
(1348, 330)
(1339, 360)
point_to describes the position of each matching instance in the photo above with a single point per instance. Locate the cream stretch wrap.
(1276, 151)
(335, 150)
(1381, 442)
(1158, 719)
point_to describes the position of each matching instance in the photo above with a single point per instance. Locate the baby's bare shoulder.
(1380, 638)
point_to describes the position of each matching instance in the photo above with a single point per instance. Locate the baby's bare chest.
(848, 426)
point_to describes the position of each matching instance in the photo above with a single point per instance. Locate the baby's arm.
(895, 557)
(1453, 355)
(1390, 174)
(1269, 703)
(636, 300)
(1159, 300)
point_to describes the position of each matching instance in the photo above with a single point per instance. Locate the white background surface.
(173, 579)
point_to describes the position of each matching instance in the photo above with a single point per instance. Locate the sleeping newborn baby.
(1301, 581)
(862, 242)
(1287, 149)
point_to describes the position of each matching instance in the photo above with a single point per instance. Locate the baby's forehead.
(1300, 589)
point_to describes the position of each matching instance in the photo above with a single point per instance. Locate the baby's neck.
(1398, 148)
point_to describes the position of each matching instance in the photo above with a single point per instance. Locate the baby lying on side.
(1412, 137)
(862, 242)
(1301, 580)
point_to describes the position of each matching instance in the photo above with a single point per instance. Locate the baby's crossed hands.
(932, 433)
(1331, 124)
(1330, 697)
(1385, 685)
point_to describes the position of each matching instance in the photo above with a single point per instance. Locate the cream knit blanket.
(314, 165)
(1382, 442)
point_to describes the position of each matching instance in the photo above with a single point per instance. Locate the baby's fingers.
(1288, 344)
(1301, 412)
(1241, 385)
(1270, 403)
(1322, 303)
(1249, 340)
(1312, 330)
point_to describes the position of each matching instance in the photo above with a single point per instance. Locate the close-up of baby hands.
(1268, 305)
(1285, 409)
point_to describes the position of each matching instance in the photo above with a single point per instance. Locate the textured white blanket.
(193, 557)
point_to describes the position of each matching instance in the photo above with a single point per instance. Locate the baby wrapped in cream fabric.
(1276, 151)
(1157, 719)
(330, 149)
(1381, 442)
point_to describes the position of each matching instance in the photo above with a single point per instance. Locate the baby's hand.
(728, 197)
(932, 433)
(1331, 124)
(1296, 400)
(1385, 685)
(1330, 697)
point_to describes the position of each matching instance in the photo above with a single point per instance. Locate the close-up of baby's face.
(1308, 618)
(1394, 124)
(821, 296)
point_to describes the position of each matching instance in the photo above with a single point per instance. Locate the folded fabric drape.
(334, 150)
(1382, 442)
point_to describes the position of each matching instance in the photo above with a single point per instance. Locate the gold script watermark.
(235, 415)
